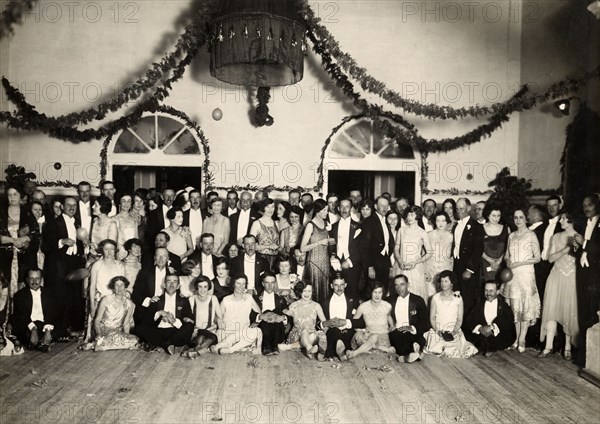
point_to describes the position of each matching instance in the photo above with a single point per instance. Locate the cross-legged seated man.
(35, 313)
(169, 321)
(238, 333)
(411, 321)
(491, 323)
(271, 321)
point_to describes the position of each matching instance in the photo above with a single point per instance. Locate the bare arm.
(398, 248)
(99, 315)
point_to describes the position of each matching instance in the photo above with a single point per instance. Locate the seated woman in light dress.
(305, 312)
(114, 319)
(378, 320)
(208, 318)
(446, 314)
(237, 332)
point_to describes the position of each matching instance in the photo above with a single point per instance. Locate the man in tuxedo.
(587, 247)
(536, 217)
(83, 216)
(149, 284)
(333, 214)
(467, 251)
(340, 325)
(347, 234)
(250, 264)
(377, 244)
(34, 313)
(490, 325)
(64, 254)
(157, 219)
(162, 239)
(232, 203)
(169, 321)
(401, 204)
(205, 257)
(411, 321)
(272, 321)
(194, 217)
(298, 263)
(242, 220)
(356, 199)
(107, 188)
(429, 208)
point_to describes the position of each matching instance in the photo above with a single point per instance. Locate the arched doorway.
(361, 157)
(159, 151)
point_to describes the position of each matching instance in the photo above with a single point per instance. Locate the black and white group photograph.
(300, 211)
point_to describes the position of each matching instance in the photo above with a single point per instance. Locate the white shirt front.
(249, 267)
(195, 224)
(548, 235)
(589, 229)
(458, 233)
(71, 233)
(170, 306)
(85, 215)
(490, 311)
(333, 217)
(207, 266)
(427, 224)
(386, 234)
(535, 225)
(401, 311)
(343, 238)
(268, 301)
(300, 271)
(165, 209)
(243, 222)
(231, 211)
(338, 308)
(159, 279)
(37, 313)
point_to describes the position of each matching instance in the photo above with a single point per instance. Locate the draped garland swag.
(154, 86)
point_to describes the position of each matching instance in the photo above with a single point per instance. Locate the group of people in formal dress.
(334, 277)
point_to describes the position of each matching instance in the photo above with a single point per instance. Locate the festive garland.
(433, 111)
(189, 123)
(268, 188)
(13, 13)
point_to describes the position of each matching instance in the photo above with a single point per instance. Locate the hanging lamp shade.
(258, 43)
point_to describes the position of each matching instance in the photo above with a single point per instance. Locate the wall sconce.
(564, 105)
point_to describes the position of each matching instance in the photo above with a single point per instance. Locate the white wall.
(421, 48)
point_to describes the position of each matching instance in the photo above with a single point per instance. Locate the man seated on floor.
(272, 321)
(34, 317)
(491, 323)
(411, 320)
(340, 325)
(169, 321)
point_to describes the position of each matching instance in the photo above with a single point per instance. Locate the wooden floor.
(70, 386)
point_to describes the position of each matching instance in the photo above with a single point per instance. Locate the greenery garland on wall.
(13, 13)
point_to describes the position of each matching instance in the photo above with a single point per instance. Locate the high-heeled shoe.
(521, 348)
(513, 346)
(567, 355)
(544, 353)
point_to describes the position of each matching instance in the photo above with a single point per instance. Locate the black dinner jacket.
(144, 285)
(260, 265)
(23, 303)
(351, 307)
(280, 305)
(471, 247)
(186, 217)
(353, 240)
(197, 256)
(373, 241)
(233, 221)
(418, 315)
(182, 309)
(504, 320)
(56, 229)
(592, 246)
(539, 233)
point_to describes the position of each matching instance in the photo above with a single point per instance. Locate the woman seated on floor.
(207, 317)
(378, 320)
(237, 333)
(114, 319)
(305, 312)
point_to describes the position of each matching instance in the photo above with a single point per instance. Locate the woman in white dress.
(441, 241)
(522, 252)
(412, 250)
(127, 226)
(237, 332)
(560, 297)
(446, 314)
(217, 225)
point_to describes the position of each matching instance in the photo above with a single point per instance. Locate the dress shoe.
(489, 354)
(170, 349)
(44, 348)
(567, 355)
(544, 353)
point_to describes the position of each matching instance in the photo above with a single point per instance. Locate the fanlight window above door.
(363, 140)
